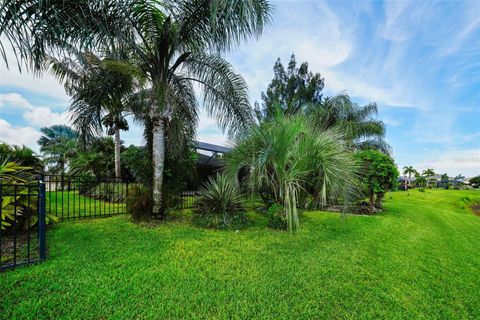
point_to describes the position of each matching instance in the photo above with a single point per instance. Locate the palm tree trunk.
(118, 174)
(158, 161)
(372, 200)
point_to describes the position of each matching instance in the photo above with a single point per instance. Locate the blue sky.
(420, 61)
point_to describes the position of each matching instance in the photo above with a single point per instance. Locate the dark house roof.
(211, 147)
(213, 162)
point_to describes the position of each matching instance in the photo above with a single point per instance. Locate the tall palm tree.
(362, 131)
(100, 89)
(57, 143)
(428, 173)
(176, 44)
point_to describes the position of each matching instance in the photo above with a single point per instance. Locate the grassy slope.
(419, 259)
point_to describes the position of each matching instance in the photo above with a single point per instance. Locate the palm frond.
(225, 93)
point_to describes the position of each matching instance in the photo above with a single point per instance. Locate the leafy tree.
(58, 145)
(290, 90)
(282, 155)
(421, 181)
(445, 180)
(100, 89)
(379, 174)
(172, 42)
(96, 160)
(460, 177)
(475, 182)
(299, 91)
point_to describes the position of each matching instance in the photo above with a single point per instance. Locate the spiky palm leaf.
(286, 156)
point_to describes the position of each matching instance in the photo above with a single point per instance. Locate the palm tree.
(409, 170)
(285, 155)
(362, 131)
(57, 144)
(428, 172)
(100, 89)
(176, 45)
(22, 156)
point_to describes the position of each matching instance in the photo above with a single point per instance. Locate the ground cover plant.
(417, 259)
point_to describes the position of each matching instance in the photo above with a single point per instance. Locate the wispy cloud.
(19, 135)
(37, 116)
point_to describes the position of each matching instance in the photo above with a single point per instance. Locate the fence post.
(41, 220)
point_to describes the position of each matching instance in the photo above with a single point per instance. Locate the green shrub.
(219, 205)
(111, 192)
(139, 202)
(277, 218)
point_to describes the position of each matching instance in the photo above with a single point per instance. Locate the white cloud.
(45, 117)
(39, 116)
(19, 135)
(12, 77)
(14, 99)
(453, 162)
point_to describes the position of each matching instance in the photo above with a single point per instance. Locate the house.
(209, 161)
(405, 183)
(439, 181)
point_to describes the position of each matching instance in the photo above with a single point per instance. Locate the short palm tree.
(176, 45)
(57, 144)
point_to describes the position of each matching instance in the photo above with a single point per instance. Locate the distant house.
(405, 181)
(439, 181)
(435, 181)
(209, 161)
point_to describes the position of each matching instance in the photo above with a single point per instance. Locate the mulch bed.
(8, 248)
(476, 209)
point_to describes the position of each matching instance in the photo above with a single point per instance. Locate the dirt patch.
(476, 209)
(19, 248)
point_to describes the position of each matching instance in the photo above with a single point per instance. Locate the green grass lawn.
(72, 205)
(419, 259)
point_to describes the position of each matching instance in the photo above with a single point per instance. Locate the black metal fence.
(80, 197)
(22, 224)
(187, 199)
(26, 208)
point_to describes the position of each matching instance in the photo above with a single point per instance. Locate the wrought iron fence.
(80, 197)
(187, 199)
(22, 224)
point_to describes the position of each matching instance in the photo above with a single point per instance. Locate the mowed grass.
(417, 260)
(72, 205)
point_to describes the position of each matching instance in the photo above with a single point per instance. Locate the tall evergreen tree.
(290, 90)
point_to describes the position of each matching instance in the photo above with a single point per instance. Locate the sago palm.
(176, 44)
